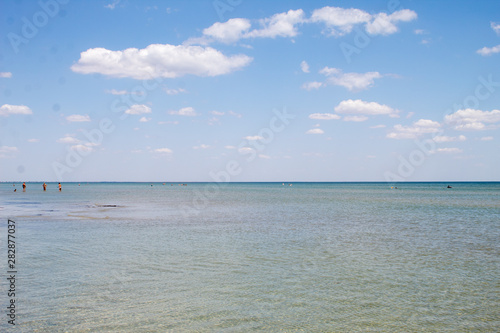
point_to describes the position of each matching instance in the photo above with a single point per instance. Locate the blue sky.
(249, 90)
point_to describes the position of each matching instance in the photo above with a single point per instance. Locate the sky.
(239, 90)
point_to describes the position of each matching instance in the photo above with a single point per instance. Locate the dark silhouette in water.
(449, 186)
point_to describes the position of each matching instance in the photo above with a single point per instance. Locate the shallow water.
(255, 256)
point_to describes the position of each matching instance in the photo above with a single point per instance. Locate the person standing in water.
(24, 186)
(44, 186)
(60, 187)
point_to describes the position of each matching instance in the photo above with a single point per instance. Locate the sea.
(240, 257)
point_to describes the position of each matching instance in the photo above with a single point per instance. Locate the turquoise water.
(314, 257)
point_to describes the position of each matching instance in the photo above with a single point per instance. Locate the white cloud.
(7, 109)
(304, 66)
(359, 107)
(471, 119)
(340, 21)
(6, 75)
(78, 118)
(486, 138)
(202, 146)
(234, 114)
(351, 81)
(495, 27)
(230, 147)
(420, 127)
(419, 31)
(384, 24)
(82, 148)
(163, 151)
(264, 156)
(449, 150)
(355, 118)
(253, 137)
(245, 149)
(324, 116)
(7, 152)
(279, 25)
(68, 139)
(315, 131)
(144, 120)
(33, 140)
(217, 113)
(445, 138)
(112, 5)
(174, 91)
(378, 126)
(228, 32)
(486, 51)
(187, 111)
(159, 60)
(123, 92)
(312, 85)
(138, 109)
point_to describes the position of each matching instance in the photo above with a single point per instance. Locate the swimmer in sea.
(44, 186)
(24, 187)
(60, 187)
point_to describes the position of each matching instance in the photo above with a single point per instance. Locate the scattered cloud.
(495, 27)
(68, 139)
(315, 131)
(217, 113)
(159, 60)
(168, 122)
(85, 148)
(234, 114)
(202, 146)
(448, 150)
(264, 156)
(33, 140)
(324, 116)
(486, 51)
(304, 66)
(144, 120)
(279, 25)
(75, 118)
(7, 152)
(123, 92)
(174, 91)
(138, 109)
(445, 138)
(378, 126)
(419, 31)
(350, 81)
(253, 138)
(7, 109)
(112, 5)
(418, 128)
(228, 32)
(163, 151)
(359, 107)
(355, 118)
(339, 21)
(187, 111)
(471, 119)
(312, 85)
(384, 24)
(5, 75)
(245, 149)
(230, 147)
(486, 138)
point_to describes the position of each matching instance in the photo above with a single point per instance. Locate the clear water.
(322, 257)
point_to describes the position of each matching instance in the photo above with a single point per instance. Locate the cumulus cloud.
(68, 139)
(217, 113)
(448, 150)
(159, 60)
(6, 75)
(279, 25)
(486, 138)
(138, 109)
(304, 66)
(355, 118)
(253, 137)
(312, 85)
(174, 91)
(78, 118)
(383, 24)
(86, 148)
(418, 128)
(471, 119)
(359, 107)
(144, 119)
(315, 131)
(324, 116)
(351, 81)
(202, 146)
(187, 111)
(123, 92)
(339, 21)
(7, 110)
(228, 32)
(33, 140)
(486, 51)
(445, 138)
(495, 27)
